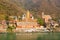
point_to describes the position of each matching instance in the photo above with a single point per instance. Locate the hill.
(36, 7)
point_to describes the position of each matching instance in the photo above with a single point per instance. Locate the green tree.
(9, 27)
(40, 21)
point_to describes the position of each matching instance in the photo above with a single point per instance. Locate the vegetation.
(10, 28)
(40, 21)
(14, 7)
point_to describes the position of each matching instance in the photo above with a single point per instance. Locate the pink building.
(46, 17)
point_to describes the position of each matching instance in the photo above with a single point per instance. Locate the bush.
(40, 21)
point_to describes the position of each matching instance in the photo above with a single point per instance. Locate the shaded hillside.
(10, 8)
(17, 7)
(48, 6)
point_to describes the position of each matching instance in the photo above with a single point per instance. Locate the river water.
(29, 36)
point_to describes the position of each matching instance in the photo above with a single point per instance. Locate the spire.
(28, 14)
(42, 14)
(23, 17)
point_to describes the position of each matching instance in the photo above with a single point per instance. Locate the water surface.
(29, 36)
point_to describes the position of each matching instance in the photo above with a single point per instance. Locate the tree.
(40, 21)
(10, 28)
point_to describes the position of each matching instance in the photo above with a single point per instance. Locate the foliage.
(2, 17)
(10, 28)
(55, 19)
(14, 7)
(40, 21)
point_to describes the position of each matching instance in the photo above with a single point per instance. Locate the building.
(27, 21)
(3, 26)
(46, 17)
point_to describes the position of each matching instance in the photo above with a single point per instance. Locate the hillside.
(17, 7)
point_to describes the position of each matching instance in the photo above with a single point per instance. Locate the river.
(30, 36)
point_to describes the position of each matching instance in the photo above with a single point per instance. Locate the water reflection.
(29, 36)
(49, 36)
(11, 36)
(7, 36)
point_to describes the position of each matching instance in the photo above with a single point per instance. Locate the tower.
(23, 17)
(28, 14)
(42, 14)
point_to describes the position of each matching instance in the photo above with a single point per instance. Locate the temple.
(28, 21)
(46, 17)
